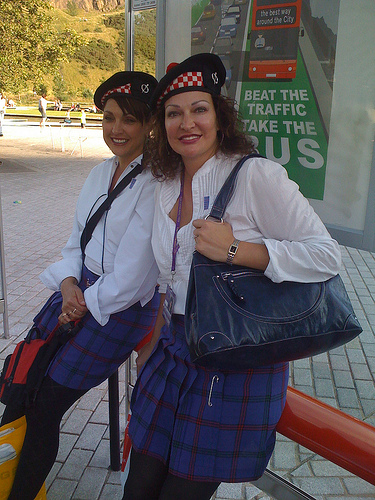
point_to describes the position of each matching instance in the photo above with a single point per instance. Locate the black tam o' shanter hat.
(204, 72)
(135, 84)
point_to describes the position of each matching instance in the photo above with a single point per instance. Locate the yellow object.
(11, 441)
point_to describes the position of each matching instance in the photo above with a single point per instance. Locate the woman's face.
(191, 126)
(123, 133)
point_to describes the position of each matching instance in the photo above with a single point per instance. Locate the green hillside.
(101, 54)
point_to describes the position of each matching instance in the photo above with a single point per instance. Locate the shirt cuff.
(57, 272)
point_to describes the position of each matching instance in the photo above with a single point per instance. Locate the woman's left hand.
(213, 239)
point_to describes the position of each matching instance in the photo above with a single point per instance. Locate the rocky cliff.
(101, 5)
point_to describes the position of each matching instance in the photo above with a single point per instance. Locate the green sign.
(283, 118)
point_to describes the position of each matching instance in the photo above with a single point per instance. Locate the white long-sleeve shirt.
(267, 207)
(120, 248)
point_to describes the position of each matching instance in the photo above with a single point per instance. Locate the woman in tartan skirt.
(106, 281)
(193, 427)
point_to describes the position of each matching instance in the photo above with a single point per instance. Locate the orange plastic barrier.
(334, 435)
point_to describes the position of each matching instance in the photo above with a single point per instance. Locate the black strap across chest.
(226, 192)
(97, 215)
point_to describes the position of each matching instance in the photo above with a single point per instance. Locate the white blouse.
(120, 248)
(267, 207)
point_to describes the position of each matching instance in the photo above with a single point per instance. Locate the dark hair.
(129, 105)
(166, 163)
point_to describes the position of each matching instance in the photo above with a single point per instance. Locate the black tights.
(149, 479)
(41, 442)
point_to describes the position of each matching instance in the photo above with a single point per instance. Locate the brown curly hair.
(166, 163)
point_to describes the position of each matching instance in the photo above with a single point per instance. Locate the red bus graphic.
(274, 39)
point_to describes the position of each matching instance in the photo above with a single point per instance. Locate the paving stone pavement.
(41, 175)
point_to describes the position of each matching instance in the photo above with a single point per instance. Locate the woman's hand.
(74, 305)
(213, 239)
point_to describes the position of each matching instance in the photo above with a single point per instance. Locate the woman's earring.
(222, 138)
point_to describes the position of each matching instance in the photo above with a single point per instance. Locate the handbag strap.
(97, 215)
(226, 192)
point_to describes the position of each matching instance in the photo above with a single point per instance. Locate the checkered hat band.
(124, 89)
(189, 79)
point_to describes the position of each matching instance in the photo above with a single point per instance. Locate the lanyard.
(176, 246)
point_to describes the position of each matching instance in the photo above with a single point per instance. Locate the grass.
(79, 77)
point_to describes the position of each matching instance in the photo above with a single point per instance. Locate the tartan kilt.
(207, 425)
(96, 351)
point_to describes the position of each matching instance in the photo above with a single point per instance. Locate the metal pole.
(129, 37)
(4, 301)
(279, 488)
(160, 39)
(114, 424)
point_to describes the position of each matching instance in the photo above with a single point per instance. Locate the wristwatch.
(232, 251)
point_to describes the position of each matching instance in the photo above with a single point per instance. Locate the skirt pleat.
(207, 425)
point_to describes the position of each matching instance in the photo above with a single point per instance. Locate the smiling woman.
(193, 427)
(101, 282)
(123, 132)
(191, 126)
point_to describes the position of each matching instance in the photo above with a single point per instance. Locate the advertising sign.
(279, 59)
(143, 4)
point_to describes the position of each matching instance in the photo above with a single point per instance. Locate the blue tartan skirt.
(206, 425)
(96, 351)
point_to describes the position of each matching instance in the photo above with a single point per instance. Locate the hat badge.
(215, 78)
(145, 88)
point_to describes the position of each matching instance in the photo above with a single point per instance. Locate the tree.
(29, 45)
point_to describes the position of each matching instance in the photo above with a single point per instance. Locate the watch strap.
(232, 251)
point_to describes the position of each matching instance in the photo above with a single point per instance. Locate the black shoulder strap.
(226, 192)
(96, 216)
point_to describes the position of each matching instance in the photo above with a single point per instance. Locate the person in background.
(194, 427)
(42, 107)
(3, 105)
(109, 286)
(83, 118)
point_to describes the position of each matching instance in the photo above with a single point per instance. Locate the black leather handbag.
(236, 318)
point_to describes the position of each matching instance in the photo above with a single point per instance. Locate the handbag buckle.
(214, 219)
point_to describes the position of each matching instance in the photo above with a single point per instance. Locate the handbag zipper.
(9, 380)
(239, 274)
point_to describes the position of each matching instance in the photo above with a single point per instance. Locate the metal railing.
(332, 434)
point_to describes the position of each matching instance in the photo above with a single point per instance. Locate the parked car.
(209, 12)
(240, 2)
(234, 11)
(223, 46)
(228, 27)
(225, 6)
(198, 35)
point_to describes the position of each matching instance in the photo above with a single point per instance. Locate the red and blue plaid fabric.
(96, 351)
(123, 89)
(188, 79)
(206, 424)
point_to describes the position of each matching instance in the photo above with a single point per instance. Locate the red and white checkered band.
(189, 79)
(124, 89)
